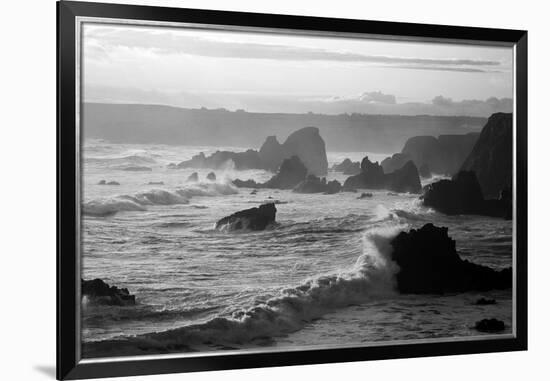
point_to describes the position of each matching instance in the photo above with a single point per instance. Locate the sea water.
(320, 276)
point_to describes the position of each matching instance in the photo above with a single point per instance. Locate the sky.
(261, 72)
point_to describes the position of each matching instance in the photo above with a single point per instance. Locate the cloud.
(168, 43)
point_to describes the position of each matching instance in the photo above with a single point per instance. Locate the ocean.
(321, 276)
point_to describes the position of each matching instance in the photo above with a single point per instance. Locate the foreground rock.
(97, 292)
(306, 143)
(347, 167)
(490, 325)
(463, 195)
(372, 176)
(429, 264)
(492, 156)
(314, 184)
(249, 219)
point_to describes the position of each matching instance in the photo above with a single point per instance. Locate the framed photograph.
(244, 190)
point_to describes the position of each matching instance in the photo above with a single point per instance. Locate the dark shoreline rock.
(490, 325)
(98, 292)
(492, 156)
(463, 195)
(372, 176)
(429, 264)
(253, 219)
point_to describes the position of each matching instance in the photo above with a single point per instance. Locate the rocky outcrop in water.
(291, 172)
(211, 176)
(314, 184)
(490, 325)
(249, 219)
(492, 156)
(193, 177)
(443, 155)
(429, 264)
(249, 159)
(347, 167)
(372, 176)
(97, 292)
(463, 195)
(306, 143)
(103, 182)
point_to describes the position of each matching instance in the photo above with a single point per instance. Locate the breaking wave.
(371, 277)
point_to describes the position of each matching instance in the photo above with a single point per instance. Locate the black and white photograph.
(252, 191)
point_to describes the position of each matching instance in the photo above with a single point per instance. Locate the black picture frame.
(69, 365)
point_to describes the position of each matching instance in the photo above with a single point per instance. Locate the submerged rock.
(463, 195)
(100, 293)
(364, 195)
(485, 302)
(193, 177)
(490, 325)
(372, 176)
(211, 176)
(137, 168)
(429, 264)
(250, 219)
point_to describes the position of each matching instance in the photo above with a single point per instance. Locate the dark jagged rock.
(100, 293)
(364, 195)
(272, 153)
(463, 195)
(137, 168)
(291, 172)
(429, 264)
(372, 176)
(211, 176)
(395, 162)
(251, 219)
(193, 177)
(485, 302)
(492, 156)
(347, 167)
(314, 184)
(490, 325)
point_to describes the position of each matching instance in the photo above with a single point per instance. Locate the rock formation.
(492, 156)
(250, 219)
(193, 177)
(429, 263)
(372, 176)
(463, 195)
(100, 293)
(347, 167)
(211, 176)
(443, 155)
(490, 325)
(314, 184)
(306, 143)
(291, 172)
